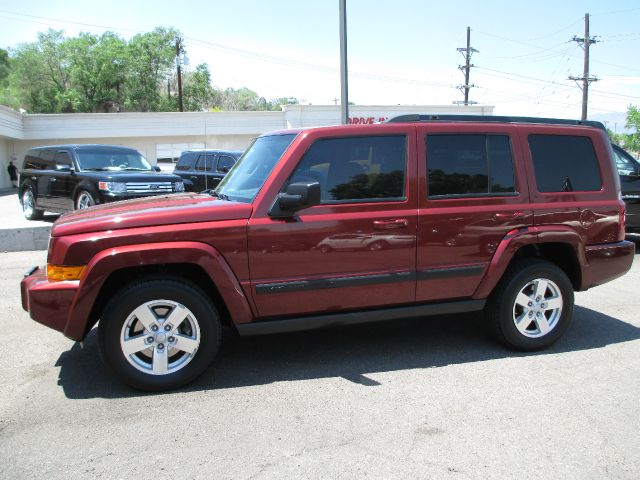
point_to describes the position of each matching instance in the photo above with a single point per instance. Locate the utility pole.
(344, 79)
(179, 51)
(586, 78)
(466, 68)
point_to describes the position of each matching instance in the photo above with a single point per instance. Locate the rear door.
(44, 175)
(472, 193)
(298, 265)
(204, 169)
(62, 182)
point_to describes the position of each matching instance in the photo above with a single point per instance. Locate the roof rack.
(414, 117)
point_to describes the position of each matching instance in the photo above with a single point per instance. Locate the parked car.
(203, 169)
(629, 171)
(66, 177)
(161, 278)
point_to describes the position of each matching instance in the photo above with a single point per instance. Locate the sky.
(399, 52)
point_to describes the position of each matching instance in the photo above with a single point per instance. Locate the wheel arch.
(559, 245)
(199, 263)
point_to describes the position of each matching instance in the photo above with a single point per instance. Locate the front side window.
(564, 163)
(111, 160)
(469, 165)
(624, 163)
(225, 163)
(356, 168)
(245, 179)
(187, 161)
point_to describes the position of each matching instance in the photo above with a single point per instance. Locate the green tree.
(631, 140)
(4, 65)
(40, 74)
(198, 94)
(152, 57)
(98, 67)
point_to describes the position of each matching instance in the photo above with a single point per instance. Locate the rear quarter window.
(564, 163)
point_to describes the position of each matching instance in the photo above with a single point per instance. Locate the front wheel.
(84, 200)
(159, 334)
(532, 305)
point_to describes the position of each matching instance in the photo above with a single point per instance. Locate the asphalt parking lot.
(432, 398)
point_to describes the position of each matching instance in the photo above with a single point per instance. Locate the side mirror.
(225, 169)
(156, 168)
(297, 197)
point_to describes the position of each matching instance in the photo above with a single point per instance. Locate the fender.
(112, 259)
(518, 238)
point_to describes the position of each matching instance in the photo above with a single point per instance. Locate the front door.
(357, 248)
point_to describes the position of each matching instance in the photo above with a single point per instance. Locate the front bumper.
(606, 262)
(48, 303)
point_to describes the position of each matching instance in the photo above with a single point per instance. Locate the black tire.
(120, 324)
(28, 202)
(84, 199)
(542, 323)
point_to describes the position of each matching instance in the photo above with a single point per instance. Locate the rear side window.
(564, 163)
(187, 161)
(205, 163)
(469, 165)
(356, 168)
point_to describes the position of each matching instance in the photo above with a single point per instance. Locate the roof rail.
(414, 117)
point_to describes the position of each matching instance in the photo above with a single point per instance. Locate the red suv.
(317, 227)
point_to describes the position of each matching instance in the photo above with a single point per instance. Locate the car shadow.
(349, 352)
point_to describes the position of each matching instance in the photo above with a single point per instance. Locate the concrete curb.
(24, 239)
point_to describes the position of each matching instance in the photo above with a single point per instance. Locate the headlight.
(115, 187)
(178, 187)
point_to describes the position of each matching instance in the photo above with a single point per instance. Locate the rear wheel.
(159, 334)
(532, 305)
(29, 209)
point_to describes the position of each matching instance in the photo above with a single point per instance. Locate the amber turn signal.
(56, 273)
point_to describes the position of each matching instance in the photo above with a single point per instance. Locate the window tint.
(564, 163)
(624, 163)
(32, 161)
(46, 159)
(205, 163)
(469, 165)
(186, 162)
(225, 163)
(62, 159)
(359, 168)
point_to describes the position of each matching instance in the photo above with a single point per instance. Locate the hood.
(150, 211)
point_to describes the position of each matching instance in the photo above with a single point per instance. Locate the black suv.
(67, 177)
(203, 169)
(629, 171)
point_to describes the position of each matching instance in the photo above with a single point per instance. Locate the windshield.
(114, 160)
(247, 176)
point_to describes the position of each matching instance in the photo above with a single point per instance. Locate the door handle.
(387, 224)
(53, 179)
(193, 177)
(508, 215)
